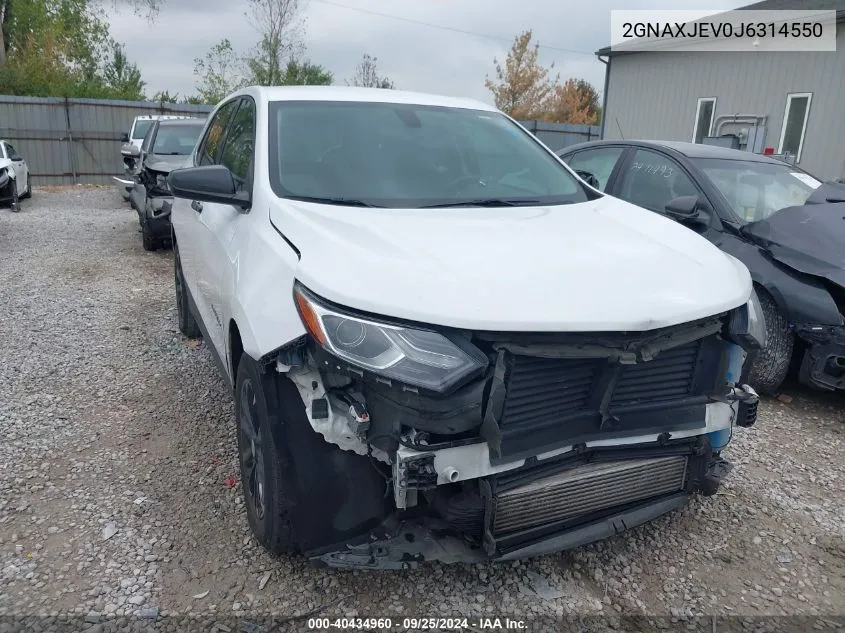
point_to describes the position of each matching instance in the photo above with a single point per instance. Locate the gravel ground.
(118, 471)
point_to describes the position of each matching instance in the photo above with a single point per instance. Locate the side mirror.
(688, 210)
(587, 177)
(130, 150)
(124, 138)
(209, 183)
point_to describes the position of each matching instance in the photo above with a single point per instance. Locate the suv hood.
(808, 238)
(603, 265)
(166, 163)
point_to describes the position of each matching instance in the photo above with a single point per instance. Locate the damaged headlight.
(161, 182)
(747, 326)
(417, 357)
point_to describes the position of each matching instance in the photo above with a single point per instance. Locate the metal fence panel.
(556, 136)
(77, 141)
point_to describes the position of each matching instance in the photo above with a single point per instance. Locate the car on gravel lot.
(167, 145)
(442, 343)
(15, 182)
(131, 148)
(782, 223)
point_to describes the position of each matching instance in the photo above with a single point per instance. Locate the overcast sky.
(413, 55)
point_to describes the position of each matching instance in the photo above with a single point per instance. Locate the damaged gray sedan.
(167, 145)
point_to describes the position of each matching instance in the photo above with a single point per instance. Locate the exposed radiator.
(585, 490)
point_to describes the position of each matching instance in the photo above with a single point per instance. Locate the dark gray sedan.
(786, 226)
(168, 145)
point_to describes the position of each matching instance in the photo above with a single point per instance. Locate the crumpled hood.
(604, 265)
(165, 164)
(808, 238)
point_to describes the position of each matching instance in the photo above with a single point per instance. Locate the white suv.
(442, 343)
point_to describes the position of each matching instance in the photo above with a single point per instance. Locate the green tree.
(367, 76)
(164, 96)
(218, 72)
(281, 29)
(62, 48)
(305, 73)
(122, 78)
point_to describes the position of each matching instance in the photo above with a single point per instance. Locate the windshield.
(757, 190)
(177, 139)
(408, 156)
(141, 127)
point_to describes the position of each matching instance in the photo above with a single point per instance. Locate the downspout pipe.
(604, 93)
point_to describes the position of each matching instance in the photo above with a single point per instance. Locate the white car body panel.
(604, 265)
(19, 170)
(560, 268)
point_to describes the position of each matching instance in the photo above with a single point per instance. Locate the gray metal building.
(795, 99)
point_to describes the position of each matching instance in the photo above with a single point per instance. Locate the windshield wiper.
(169, 154)
(483, 202)
(346, 202)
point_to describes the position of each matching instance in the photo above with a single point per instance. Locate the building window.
(795, 123)
(704, 119)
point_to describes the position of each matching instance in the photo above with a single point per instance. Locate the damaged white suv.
(442, 343)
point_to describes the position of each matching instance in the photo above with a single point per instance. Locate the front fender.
(261, 293)
(802, 298)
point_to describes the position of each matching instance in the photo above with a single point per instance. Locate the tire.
(15, 205)
(28, 193)
(187, 323)
(268, 481)
(769, 366)
(148, 240)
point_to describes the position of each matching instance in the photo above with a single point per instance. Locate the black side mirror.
(209, 183)
(587, 177)
(688, 210)
(124, 138)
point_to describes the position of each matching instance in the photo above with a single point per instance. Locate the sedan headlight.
(747, 325)
(414, 356)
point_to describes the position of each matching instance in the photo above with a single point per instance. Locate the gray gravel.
(117, 452)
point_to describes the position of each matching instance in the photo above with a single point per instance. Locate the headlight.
(161, 182)
(417, 357)
(747, 325)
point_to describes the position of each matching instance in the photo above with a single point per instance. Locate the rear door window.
(652, 179)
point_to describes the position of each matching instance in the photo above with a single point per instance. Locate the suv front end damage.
(499, 446)
(154, 202)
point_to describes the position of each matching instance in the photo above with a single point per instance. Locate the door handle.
(196, 206)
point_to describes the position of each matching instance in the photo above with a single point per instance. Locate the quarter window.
(652, 179)
(795, 124)
(703, 119)
(210, 148)
(237, 150)
(599, 162)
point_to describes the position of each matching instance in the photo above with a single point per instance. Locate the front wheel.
(769, 366)
(269, 486)
(15, 206)
(28, 193)
(187, 323)
(147, 238)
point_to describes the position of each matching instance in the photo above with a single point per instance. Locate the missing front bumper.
(823, 363)
(412, 544)
(538, 509)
